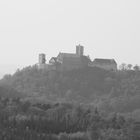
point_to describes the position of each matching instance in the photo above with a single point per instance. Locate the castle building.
(72, 61)
(107, 64)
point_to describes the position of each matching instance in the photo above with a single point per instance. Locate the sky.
(106, 28)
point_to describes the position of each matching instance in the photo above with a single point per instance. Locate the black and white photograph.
(69, 69)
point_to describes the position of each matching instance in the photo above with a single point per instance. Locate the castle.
(71, 61)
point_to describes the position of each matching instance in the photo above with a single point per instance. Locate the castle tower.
(80, 50)
(42, 58)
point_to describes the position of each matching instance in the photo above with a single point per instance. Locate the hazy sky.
(107, 29)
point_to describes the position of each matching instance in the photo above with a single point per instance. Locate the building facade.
(107, 64)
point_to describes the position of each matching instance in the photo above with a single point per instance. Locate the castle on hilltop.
(71, 61)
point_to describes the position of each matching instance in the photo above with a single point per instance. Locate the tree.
(123, 66)
(136, 68)
(129, 66)
(25, 106)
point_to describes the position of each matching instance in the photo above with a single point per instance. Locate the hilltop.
(88, 80)
(111, 91)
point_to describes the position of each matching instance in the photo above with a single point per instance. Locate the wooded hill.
(109, 91)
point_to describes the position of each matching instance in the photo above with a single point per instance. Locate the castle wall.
(71, 63)
(46, 67)
(43, 66)
(104, 66)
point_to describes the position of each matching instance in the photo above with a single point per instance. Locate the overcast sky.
(107, 29)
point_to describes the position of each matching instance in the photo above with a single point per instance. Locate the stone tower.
(42, 58)
(80, 50)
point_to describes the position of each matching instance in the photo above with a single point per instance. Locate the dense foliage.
(110, 91)
(86, 104)
(21, 120)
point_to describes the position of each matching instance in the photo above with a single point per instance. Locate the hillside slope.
(109, 91)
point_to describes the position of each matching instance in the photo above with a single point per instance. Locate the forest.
(84, 104)
(22, 120)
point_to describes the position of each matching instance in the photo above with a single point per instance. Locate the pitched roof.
(104, 61)
(69, 55)
(54, 58)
